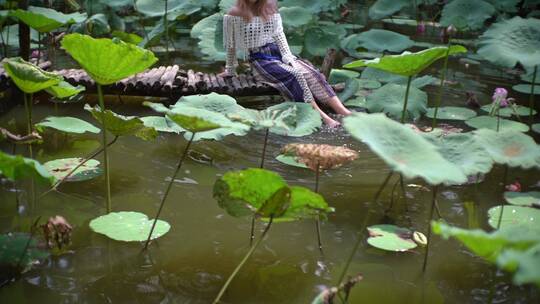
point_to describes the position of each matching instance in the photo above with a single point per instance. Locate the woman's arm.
(281, 41)
(231, 62)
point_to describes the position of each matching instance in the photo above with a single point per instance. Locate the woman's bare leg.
(327, 119)
(338, 106)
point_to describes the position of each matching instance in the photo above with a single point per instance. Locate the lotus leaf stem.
(28, 100)
(498, 119)
(403, 192)
(433, 202)
(263, 156)
(505, 175)
(392, 197)
(318, 220)
(404, 113)
(244, 260)
(379, 192)
(252, 235)
(169, 186)
(105, 152)
(441, 86)
(531, 96)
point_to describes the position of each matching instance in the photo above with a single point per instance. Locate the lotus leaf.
(490, 122)
(525, 264)
(528, 77)
(351, 44)
(527, 199)
(16, 167)
(359, 102)
(29, 77)
(319, 156)
(64, 90)
(120, 125)
(515, 216)
(451, 113)
(209, 32)
(511, 41)
(276, 205)
(127, 37)
(128, 226)
(12, 246)
(44, 19)
(383, 40)
(510, 110)
(306, 122)
(175, 8)
(403, 149)
(67, 124)
(318, 39)
(226, 5)
(408, 64)
(508, 6)
(390, 238)
(339, 76)
(96, 25)
(107, 61)
(466, 15)
(369, 84)
(290, 160)
(390, 97)
(266, 119)
(161, 124)
(526, 88)
(295, 16)
(511, 148)
(536, 127)
(314, 7)
(385, 8)
(305, 204)
(382, 76)
(60, 168)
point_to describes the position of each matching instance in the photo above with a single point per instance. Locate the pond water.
(191, 262)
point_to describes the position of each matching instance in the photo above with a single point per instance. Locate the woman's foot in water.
(330, 123)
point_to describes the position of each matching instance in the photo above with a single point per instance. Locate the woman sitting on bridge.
(255, 28)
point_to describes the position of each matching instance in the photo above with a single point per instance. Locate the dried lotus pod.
(320, 156)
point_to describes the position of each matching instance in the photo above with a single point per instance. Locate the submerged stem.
(169, 186)
(318, 220)
(505, 176)
(105, 152)
(531, 96)
(441, 86)
(433, 202)
(244, 260)
(404, 113)
(264, 148)
(379, 192)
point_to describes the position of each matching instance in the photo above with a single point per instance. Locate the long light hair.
(262, 8)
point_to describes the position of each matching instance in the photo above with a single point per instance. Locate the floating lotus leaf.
(29, 77)
(44, 19)
(67, 125)
(525, 264)
(209, 32)
(451, 113)
(390, 97)
(464, 151)
(351, 45)
(490, 122)
(390, 238)
(128, 226)
(306, 122)
(120, 125)
(318, 39)
(107, 61)
(526, 88)
(320, 156)
(339, 76)
(510, 110)
(510, 148)
(12, 246)
(511, 41)
(161, 124)
(127, 37)
(382, 76)
(466, 15)
(508, 6)
(528, 77)
(290, 160)
(175, 8)
(16, 167)
(64, 90)
(358, 102)
(385, 8)
(403, 149)
(295, 16)
(408, 64)
(314, 7)
(515, 216)
(536, 127)
(382, 40)
(527, 199)
(369, 84)
(60, 168)
(266, 119)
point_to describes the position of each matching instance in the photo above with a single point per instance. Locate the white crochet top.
(243, 36)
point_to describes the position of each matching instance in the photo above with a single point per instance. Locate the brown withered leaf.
(319, 155)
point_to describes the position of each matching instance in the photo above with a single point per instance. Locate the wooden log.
(156, 79)
(224, 87)
(200, 84)
(169, 79)
(207, 82)
(192, 80)
(243, 82)
(215, 87)
(328, 62)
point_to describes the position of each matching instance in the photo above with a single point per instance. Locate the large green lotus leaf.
(525, 264)
(45, 19)
(511, 148)
(527, 199)
(368, 84)
(60, 168)
(511, 110)
(305, 204)
(128, 226)
(107, 61)
(315, 7)
(526, 88)
(339, 76)
(511, 41)
(385, 8)
(241, 193)
(290, 160)
(515, 216)
(67, 125)
(403, 149)
(490, 245)
(12, 246)
(390, 238)
(306, 121)
(64, 90)
(464, 151)
(528, 77)
(452, 113)
(357, 102)
(161, 124)
(226, 5)
(466, 15)
(16, 167)
(382, 40)
(407, 63)
(318, 39)
(120, 125)
(390, 97)
(536, 127)
(175, 8)
(507, 6)
(265, 119)
(127, 37)
(490, 122)
(295, 16)
(29, 77)
(223, 104)
(209, 32)
(382, 76)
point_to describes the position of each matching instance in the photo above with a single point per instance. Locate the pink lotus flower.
(500, 95)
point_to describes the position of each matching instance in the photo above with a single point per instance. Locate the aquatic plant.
(129, 226)
(466, 15)
(382, 40)
(74, 169)
(451, 113)
(394, 238)
(19, 251)
(529, 199)
(67, 124)
(16, 167)
(107, 61)
(390, 97)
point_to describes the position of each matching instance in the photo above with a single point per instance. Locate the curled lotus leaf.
(16, 167)
(320, 156)
(64, 90)
(382, 40)
(385, 8)
(28, 77)
(511, 41)
(490, 122)
(44, 19)
(391, 238)
(510, 148)
(128, 226)
(403, 149)
(407, 63)
(536, 128)
(60, 168)
(516, 110)
(120, 125)
(390, 98)
(527, 199)
(515, 216)
(525, 264)
(105, 60)
(306, 121)
(209, 32)
(67, 125)
(161, 124)
(128, 37)
(12, 245)
(452, 113)
(466, 15)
